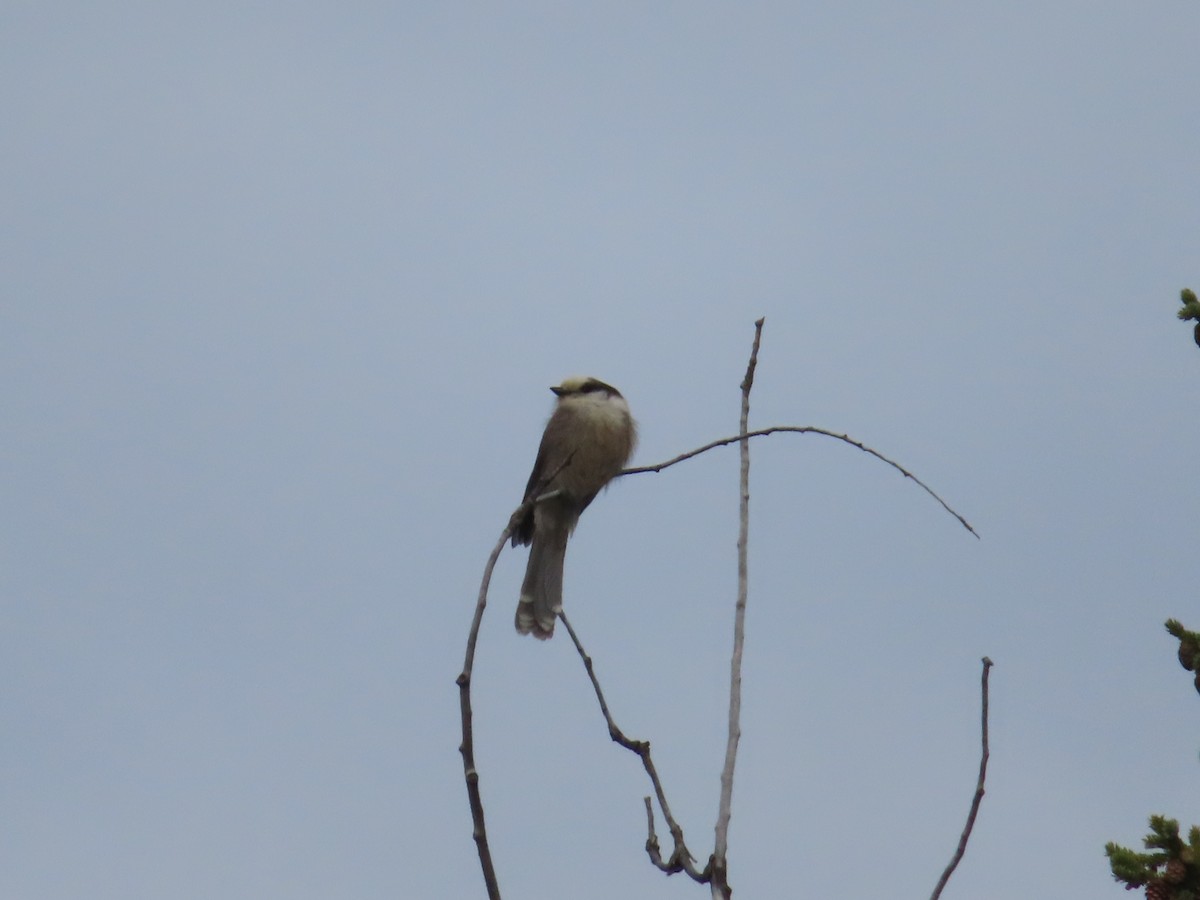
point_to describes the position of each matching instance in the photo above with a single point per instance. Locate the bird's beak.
(558, 392)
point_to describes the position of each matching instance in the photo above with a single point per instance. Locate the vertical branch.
(978, 798)
(720, 873)
(467, 747)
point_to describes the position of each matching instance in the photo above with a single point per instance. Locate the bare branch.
(720, 866)
(804, 429)
(681, 859)
(467, 747)
(652, 848)
(715, 873)
(978, 798)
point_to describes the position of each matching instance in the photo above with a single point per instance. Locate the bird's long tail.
(541, 592)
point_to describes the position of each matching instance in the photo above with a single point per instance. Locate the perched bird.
(587, 441)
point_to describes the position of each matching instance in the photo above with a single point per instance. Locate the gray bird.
(588, 439)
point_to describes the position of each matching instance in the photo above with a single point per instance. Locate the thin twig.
(720, 866)
(681, 859)
(467, 747)
(804, 429)
(652, 848)
(978, 798)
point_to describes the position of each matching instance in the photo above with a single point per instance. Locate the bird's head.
(584, 384)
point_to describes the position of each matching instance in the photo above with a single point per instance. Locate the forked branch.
(681, 860)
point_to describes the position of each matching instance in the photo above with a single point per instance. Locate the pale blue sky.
(285, 285)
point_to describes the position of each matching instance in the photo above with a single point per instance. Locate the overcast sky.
(284, 286)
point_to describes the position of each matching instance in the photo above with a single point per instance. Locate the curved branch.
(804, 429)
(977, 799)
(467, 747)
